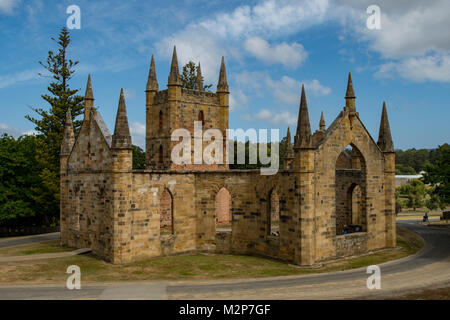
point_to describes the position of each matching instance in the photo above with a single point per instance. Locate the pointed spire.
(89, 95)
(322, 123)
(69, 136)
(199, 80)
(174, 76)
(288, 136)
(350, 94)
(222, 85)
(88, 100)
(384, 137)
(289, 152)
(121, 137)
(152, 82)
(303, 135)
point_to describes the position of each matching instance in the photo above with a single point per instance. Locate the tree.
(189, 76)
(413, 161)
(138, 158)
(414, 192)
(404, 169)
(50, 124)
(19, 182)
(434, 202)
(438, 174)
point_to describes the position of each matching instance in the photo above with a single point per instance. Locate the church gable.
(92, 147)
(345, 130)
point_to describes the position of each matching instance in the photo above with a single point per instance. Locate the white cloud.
(137, 128)
(286, 89)
(4, 128)
(238, 100)
(290, 55)
(276, 118)
(268, 17)
(414, 28)
(129, 93)
(207, 40)
(316, 88)
(23, 76)
(431, 68)
(137, 131)
(7, 6)
(412, 39)
(196, 46)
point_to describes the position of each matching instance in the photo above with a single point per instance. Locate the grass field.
(52, 246)
(182, 267)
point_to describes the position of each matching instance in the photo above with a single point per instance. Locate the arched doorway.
(350, 191)
(166, 213)
(223, 208)
(274, 214)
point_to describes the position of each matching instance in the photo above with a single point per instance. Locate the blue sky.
(270, 48)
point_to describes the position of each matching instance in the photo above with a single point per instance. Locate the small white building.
(406, 178)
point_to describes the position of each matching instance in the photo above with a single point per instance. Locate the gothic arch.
(273, 212)
(350, 192)
(166, 212)
(223, 208)
(216, 188)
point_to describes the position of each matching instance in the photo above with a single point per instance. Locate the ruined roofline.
(98, 121)
(103, 128)
(334, 124)
(95, 116)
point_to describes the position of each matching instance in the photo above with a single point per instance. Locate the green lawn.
(52, 246)
(184, 267)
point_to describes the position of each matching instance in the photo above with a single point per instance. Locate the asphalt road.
(428, 268)
(28, 239)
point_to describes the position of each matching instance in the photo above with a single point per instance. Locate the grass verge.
(51, 246)
(184, 267)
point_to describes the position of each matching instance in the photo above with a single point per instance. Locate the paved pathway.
(44, 255)
(29, 239)
(429, 268)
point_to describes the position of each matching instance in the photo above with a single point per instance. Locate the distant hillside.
(412, 161)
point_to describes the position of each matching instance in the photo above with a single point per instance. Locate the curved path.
(429, 268)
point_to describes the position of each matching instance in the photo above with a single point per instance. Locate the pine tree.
(189, 76)
(50, 123)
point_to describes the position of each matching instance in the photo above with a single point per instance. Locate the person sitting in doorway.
(345, 230)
